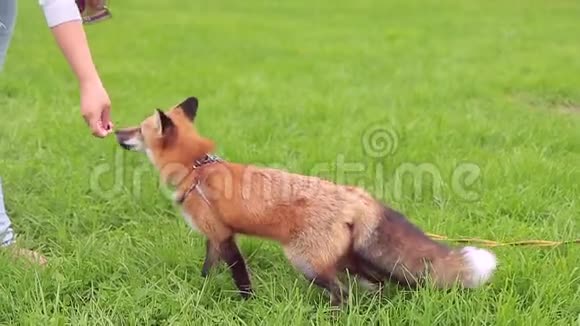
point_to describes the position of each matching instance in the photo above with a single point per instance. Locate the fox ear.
(164, 123)
(189, 107)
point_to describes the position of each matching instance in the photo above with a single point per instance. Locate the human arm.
(64, 20)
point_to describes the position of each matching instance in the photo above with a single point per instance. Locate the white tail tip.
(482, 264)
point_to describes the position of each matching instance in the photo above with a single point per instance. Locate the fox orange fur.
(325, 229)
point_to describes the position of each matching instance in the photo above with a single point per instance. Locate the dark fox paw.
(247, 293)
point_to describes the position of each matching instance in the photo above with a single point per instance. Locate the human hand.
(96, 108)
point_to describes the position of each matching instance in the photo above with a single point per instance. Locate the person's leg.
(6, 232)
(7, 22)
(7, 236)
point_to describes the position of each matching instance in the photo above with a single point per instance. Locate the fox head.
(169, 139)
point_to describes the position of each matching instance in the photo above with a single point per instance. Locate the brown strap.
(181, 198)
(207, 159)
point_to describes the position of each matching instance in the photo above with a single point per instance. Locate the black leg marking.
(359, 267)
(232, 256)
(211, 258)
(338, 294)
(397, 275)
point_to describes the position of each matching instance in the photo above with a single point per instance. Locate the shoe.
(30, 255)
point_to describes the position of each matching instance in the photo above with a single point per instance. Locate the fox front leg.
(230, 253)
(212, 257)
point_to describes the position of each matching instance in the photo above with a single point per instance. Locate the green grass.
(297, 85)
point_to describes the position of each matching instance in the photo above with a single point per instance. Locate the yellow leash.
(490, 243)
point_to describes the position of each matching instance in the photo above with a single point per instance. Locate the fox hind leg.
(324, 278)
(329, 282)
(366, 274)
(318, 258)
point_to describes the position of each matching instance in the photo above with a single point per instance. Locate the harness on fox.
(207, 159)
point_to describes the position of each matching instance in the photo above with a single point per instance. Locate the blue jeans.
(6, 232)
(7, 22)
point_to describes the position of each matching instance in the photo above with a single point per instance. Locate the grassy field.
(463, 115)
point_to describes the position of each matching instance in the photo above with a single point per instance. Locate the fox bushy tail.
(402, 253)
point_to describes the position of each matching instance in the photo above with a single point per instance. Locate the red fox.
(325, 229)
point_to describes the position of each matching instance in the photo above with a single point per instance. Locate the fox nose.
(119, 136)
(128, 138)
(122, 138)
(124, 134)
(123, 141)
